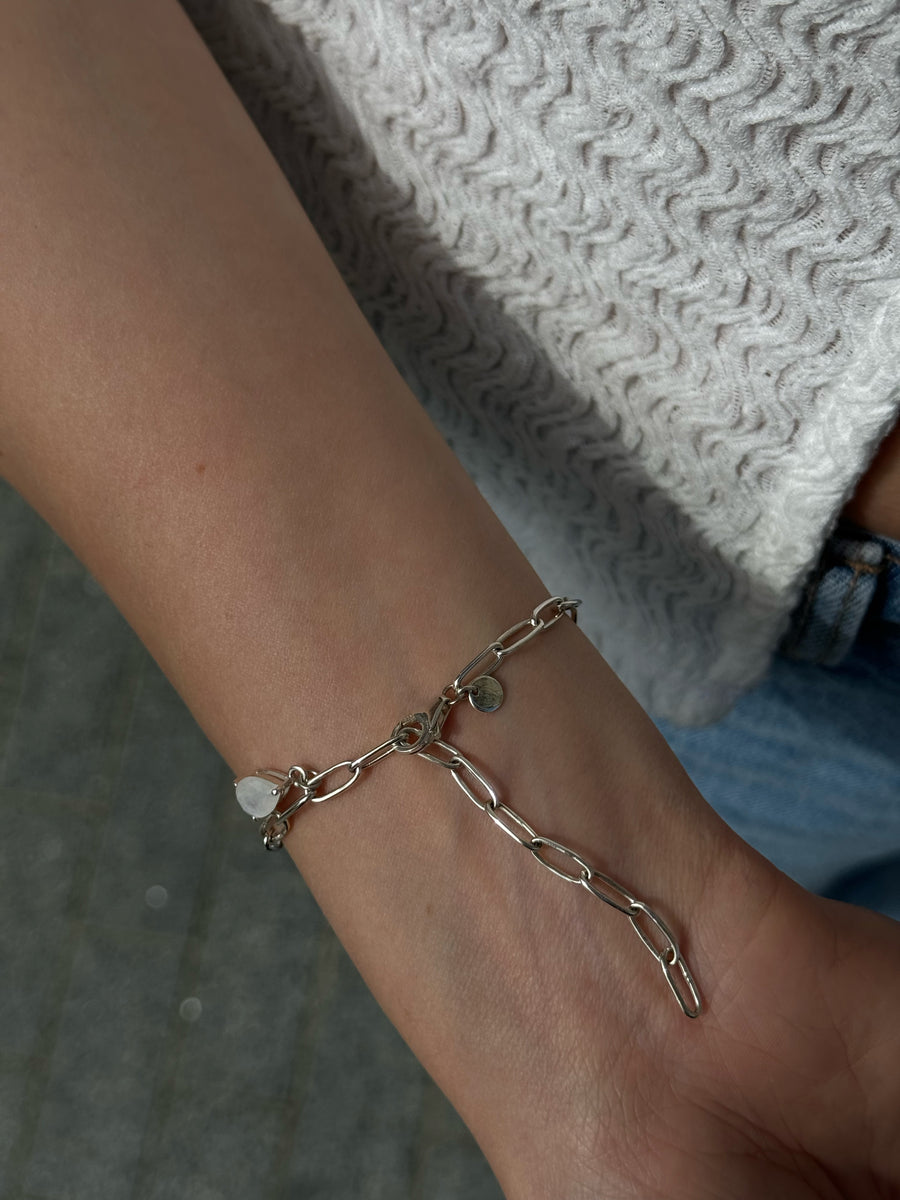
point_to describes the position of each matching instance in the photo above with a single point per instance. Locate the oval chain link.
(691, 1004)
(375, 755)
(584, 870)
(314, 781)
(472, 668)
(420, 733)
(623, 906)
(502, 823)
(454, 764)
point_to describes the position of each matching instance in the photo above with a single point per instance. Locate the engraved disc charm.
(487, 694)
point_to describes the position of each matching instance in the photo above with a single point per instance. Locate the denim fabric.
(806, 767)
(857, 582)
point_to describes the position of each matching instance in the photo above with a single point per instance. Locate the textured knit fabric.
(640, 262)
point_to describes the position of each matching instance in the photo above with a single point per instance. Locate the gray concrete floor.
(177, 1020)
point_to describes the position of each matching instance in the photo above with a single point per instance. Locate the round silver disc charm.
(487, 695)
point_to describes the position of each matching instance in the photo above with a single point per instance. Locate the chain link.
(534, 627)
(457, 764)
(501, 815)
(624, 905)
(375, 755)
(689, 997)
(458, 686)
(537, 845)
(420, 733)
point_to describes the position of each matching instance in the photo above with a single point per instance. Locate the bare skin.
(875, 504)
(191, 398)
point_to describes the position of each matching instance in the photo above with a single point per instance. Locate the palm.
(794, 1089)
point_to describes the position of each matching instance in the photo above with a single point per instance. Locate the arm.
(194, 402)
(875, 504)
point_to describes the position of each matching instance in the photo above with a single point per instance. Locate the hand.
(795, 1088)
(788, 1087)
(544, 1019)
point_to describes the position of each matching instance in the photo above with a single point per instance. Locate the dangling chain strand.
(263, 795)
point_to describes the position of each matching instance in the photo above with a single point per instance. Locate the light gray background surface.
(218, 1045)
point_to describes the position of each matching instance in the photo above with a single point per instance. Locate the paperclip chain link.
(420, 733)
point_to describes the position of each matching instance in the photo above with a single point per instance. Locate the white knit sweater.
(641, 262)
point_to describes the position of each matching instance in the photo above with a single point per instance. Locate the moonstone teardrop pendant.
(258, 797)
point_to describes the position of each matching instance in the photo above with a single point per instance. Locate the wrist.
(581, 1009)
(514, 988)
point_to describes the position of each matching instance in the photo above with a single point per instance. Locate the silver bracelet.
(273, 797)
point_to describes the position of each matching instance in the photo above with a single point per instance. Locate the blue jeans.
(806, 767)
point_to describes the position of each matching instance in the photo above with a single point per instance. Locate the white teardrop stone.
(256, 796)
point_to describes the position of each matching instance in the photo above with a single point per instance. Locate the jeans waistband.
(855, 585)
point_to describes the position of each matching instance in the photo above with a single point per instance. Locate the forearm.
(192, 399)
(182, 366)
